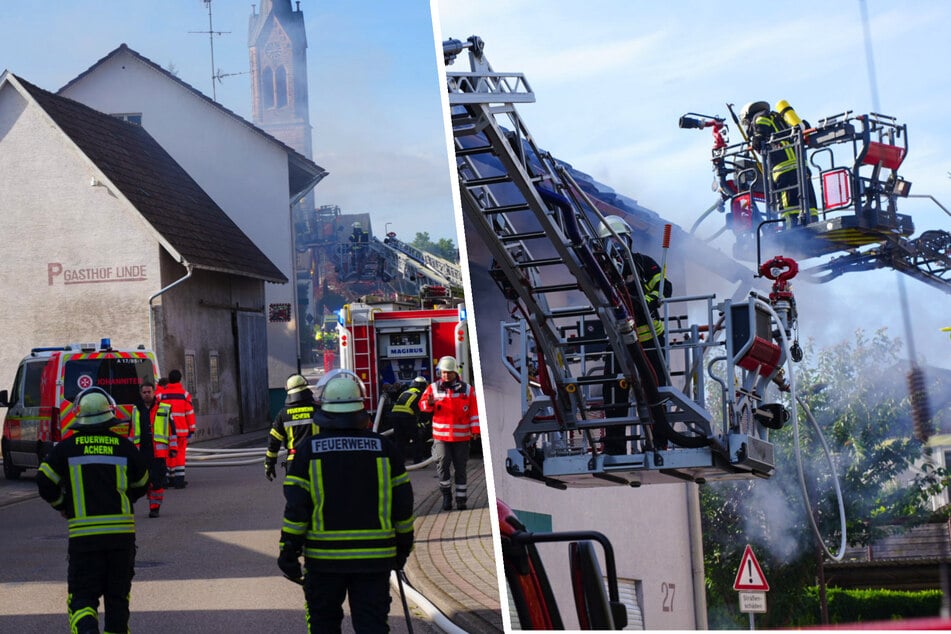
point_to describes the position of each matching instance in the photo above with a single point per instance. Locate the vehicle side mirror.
(4, 398)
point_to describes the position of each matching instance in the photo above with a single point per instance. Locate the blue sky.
(612, 77)
(374, 91)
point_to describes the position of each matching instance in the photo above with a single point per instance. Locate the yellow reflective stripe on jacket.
(405, 526)
(49, 473)
(652, 288)
(407, 407)
(351, 553)
(82, 524)
(76, 484)
(362, 533)
(101, 525)
(646, 333)
(790, 162)
(384, 492)
(296, 528)
(317, 496)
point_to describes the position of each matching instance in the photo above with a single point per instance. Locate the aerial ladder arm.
(582, 313)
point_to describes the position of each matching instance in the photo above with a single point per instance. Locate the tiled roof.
(301, 170)
(159, 188)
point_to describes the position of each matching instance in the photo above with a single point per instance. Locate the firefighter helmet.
(296, 383)
(618, 224)
(340, 391)
(448, 364)
(420, 382)
(95, 407)
(750, 110)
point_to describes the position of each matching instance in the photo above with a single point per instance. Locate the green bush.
(858, 606)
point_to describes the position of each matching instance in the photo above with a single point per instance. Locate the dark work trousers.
(454, 455)
(615, 438)
(100, 573)
(157, 474)
(406, 429)
(369, 599)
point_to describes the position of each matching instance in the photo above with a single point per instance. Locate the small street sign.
(753, 602)
(750, 575)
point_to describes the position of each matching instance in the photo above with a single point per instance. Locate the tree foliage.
(856, 394)
(444, 247)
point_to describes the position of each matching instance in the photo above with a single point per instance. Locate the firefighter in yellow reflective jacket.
(349, 512)
(405, 416)
(648, 275)
(781, 158)
(92, 478)
(149, 432)
(293, 425)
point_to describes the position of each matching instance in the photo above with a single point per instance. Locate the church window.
(267, 88)
(280, 87)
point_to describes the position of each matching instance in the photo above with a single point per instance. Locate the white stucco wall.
(57, 227)
(245, 174)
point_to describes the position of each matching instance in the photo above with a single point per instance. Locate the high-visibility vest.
(160, 419)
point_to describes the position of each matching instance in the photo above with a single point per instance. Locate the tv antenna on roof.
(211, 32)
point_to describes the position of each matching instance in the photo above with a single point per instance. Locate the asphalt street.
(208, 564)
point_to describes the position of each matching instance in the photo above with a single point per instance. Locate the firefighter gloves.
(270, 471)
(289, 563)
(400, 562)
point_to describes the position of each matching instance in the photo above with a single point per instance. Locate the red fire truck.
(384, 344)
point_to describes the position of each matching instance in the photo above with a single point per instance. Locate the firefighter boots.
(461, 504)
(446, 500)
(154, 512)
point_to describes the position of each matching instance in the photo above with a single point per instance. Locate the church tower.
(278, 48)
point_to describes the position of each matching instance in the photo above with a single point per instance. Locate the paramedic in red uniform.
(183, 422)
(452, 404)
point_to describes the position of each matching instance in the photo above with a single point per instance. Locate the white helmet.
(448, 364)
(340, 391)
(95, 407)
(750, 110)
(618, 224)
(420, 382)
(296, 383)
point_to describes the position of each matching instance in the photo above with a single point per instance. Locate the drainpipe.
(695, 533)
(295, 199)
(190, 270)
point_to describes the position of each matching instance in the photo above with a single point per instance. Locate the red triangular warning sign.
(750, 576)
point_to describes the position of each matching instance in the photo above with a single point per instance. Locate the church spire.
(277, 44)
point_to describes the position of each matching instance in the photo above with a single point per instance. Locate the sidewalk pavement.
(453, 561)
(453, 564)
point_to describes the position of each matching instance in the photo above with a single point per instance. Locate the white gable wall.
(57, 224)
(245, 174)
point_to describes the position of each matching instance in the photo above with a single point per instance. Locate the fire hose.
(794, 415)
(220, 457)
